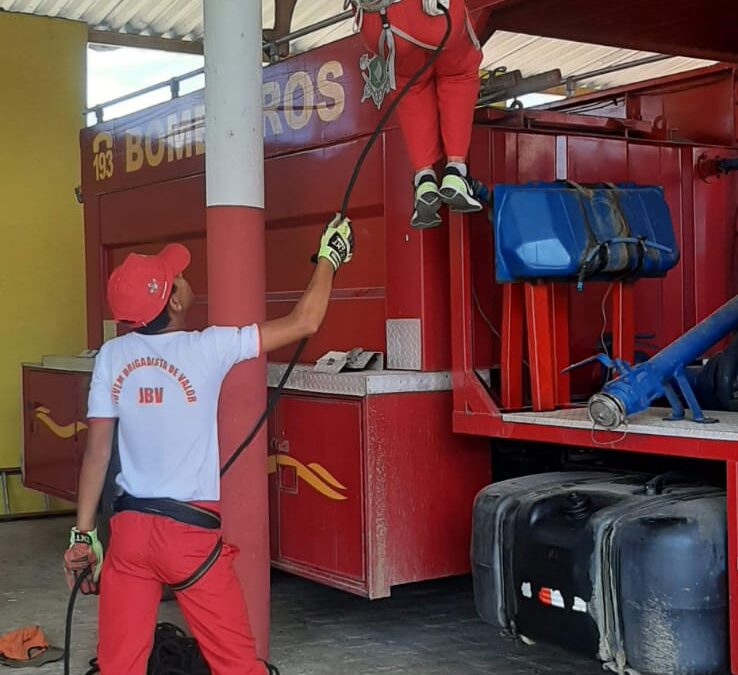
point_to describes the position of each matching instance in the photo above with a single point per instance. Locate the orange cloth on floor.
(23, 644)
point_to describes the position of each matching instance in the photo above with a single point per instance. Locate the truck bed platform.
(653, 422)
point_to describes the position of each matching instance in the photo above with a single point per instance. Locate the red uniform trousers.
(146, 552)
(437, 113)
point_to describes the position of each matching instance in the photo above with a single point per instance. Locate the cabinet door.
(52, 426)
(82, 387)
(318, 460)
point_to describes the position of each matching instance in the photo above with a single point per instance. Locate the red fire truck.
(469, 386)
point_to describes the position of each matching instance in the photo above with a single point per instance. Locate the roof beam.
(107, 37)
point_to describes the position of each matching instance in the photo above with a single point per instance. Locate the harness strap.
(202, 569)
(182, 512)
(406, 36)
(387, 45)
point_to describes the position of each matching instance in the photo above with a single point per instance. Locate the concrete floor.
(424, 629)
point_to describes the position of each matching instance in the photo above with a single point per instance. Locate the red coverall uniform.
(436, 114)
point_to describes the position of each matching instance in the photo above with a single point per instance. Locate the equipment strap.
(182, 512)
(202, 569)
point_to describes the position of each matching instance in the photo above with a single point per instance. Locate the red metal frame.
(623, 321)
(541, 350)
(547, 311)
(561, 355)
(703, 210)
(693, 31)
(511, 359)
(622, 135)
(475, 411)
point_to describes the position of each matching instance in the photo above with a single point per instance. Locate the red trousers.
(148, 551)
(437, 113)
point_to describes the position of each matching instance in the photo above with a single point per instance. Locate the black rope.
(272, 402)
(70, 611)
(275, 395)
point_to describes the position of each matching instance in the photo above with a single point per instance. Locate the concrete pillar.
(236, 276)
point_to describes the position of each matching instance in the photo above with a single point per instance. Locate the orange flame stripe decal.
(326, 475)
(315, 475)
(66, 431)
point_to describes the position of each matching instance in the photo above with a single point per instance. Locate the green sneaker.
(427, 203)
(457, 193)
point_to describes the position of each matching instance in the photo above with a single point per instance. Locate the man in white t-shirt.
(162, 383)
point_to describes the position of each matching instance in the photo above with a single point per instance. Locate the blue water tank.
(574, 232)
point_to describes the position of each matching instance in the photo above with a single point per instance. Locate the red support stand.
(623, 321)
(469, 395)
(560, 322)
(511, 363)
(547, 314)
(541, 345)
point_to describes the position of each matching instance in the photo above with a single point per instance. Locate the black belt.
(182, 512)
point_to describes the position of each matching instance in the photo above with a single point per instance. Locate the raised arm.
(336, 248)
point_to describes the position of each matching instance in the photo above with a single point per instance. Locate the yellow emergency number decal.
(102, 156)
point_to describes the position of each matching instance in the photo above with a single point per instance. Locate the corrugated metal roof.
(532, 55)
(182, 20)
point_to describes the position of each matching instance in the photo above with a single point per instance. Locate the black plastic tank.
(625, 568)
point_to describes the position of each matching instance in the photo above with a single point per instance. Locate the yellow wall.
(42, 94)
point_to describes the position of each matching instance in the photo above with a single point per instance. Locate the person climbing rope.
(436, 115)
(162, 383)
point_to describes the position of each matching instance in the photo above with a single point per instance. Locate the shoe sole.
(458, 202)
(426, 212)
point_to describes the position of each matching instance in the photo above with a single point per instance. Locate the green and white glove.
(85, 550)
(337, 242)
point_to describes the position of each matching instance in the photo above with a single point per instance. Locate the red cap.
(139, 289)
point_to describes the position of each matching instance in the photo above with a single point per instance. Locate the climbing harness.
(174, 507)
(378, 69)
(182, 512)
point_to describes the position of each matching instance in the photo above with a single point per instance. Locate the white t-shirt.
(164, 391)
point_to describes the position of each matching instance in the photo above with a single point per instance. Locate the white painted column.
(234, 163)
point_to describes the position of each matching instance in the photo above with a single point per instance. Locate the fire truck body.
(466, 359)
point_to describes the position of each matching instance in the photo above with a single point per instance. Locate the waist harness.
(182, 512)
(378, 70)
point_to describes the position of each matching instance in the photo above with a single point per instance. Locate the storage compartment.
(318, 486)
(589, 561)
(54, 429)
(368, 491)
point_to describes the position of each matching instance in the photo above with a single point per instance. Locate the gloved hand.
(431, 8)
(337, 242)
(85, 550)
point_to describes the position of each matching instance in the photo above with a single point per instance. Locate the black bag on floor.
(174, 653)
